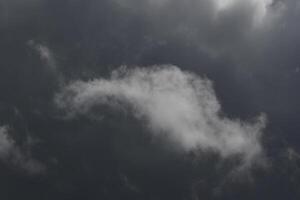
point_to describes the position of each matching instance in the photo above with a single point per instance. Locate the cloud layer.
(179, 106)
(217, 27)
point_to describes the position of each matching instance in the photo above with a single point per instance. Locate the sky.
(149, 99)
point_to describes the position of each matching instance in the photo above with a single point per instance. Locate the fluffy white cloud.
(177, 105)
(13, 154)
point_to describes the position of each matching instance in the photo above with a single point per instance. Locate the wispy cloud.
(177, 105)
(11, 153)
(44, 53)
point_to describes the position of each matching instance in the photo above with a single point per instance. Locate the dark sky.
(149, 99)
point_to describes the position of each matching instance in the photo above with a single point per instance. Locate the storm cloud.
(217, 27)
(173, 127)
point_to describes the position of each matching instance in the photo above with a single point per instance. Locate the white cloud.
(178, 105)
(259, 7)
(13, 154)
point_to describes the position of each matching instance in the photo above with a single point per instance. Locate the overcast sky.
(149, 99)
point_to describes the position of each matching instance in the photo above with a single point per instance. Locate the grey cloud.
(218, 27)
(44, 53)
(177, 105)
(11, 153)
(6, 144)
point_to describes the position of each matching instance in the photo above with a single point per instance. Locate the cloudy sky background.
(151, 99)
